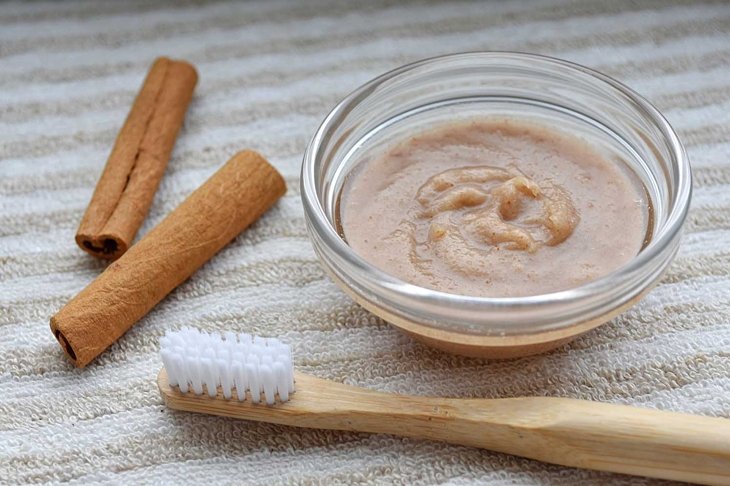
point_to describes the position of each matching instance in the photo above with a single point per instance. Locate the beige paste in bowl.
(494, 208)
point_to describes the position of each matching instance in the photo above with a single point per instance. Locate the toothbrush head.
(196, 361)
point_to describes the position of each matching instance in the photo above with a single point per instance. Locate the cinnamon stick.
(137, 162)
(233, 198)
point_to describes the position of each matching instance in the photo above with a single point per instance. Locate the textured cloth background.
(269, 73)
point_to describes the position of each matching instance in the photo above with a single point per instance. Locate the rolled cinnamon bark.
(137, 162)
(233, 198)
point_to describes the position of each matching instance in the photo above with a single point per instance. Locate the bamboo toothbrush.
(214, 374)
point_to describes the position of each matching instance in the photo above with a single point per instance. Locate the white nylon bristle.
(235, 363)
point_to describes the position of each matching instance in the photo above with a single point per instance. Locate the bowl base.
(489, 352)
(488, 346)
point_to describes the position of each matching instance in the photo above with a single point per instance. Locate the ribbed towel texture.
(269, 73)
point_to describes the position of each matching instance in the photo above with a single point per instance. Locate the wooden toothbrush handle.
(600, 436)
(576, 433)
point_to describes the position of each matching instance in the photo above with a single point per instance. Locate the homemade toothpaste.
(494, 208)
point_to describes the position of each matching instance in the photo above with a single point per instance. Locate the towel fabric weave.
(269, 73)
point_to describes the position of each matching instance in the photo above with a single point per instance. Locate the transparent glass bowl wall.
(614, 119)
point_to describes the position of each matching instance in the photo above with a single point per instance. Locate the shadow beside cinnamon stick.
(227, 203)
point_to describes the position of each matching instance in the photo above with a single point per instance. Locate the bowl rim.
(664, 237)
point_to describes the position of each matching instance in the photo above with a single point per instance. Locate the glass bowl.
(613, 118)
